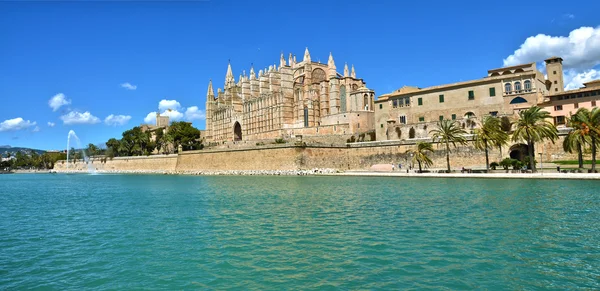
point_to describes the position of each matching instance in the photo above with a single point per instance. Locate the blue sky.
(81, 53)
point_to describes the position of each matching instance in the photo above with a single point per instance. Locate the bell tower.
(554, 70)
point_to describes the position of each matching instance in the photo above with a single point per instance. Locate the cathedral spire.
(331, 66)
(282, 61)
(252, 74)
(229, 79)
(353, 73)
(330, 62)
(346, 70)
(306, 56)
(210, 92)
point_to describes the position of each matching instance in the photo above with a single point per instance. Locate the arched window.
(517, 86)
(366, 102)
(527, 85)
(318, 75)
(507, 87)
(305, 116)
(343, 98)
(518, 100)
(354, 87)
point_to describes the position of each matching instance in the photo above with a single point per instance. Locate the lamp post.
(542, 160)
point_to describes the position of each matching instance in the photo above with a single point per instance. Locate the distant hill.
(5, 149)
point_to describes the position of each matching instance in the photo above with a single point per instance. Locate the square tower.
(554, 70)
(162, 121)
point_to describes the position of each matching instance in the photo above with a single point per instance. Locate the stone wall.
(141, 163)
(289, 157)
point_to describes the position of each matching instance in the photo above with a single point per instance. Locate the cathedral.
(293, 99)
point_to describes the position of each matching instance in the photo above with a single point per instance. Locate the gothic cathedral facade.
(293, 99)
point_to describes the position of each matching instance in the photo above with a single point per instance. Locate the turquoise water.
(72, 232)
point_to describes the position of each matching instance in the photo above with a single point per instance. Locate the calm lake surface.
(128, 232)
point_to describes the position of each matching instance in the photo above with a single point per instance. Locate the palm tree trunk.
(531, 156)
(593, 154)
(448, 156)
(487, 160)
(420, 171)
(580, 155)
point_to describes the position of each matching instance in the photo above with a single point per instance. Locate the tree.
(489, 134)
(576, 139)
(184, 134)
(113, 145)
(449, 132)
(135, 142)
(420, 155)
(92, 149)
(534, 126)
(506, 124)
(160, 139)
(589, 122)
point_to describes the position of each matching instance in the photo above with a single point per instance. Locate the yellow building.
(411, 112)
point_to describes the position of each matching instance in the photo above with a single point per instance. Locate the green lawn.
(572, 162)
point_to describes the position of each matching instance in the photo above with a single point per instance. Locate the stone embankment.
(216, 173)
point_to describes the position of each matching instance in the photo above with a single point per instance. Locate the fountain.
(90, 167)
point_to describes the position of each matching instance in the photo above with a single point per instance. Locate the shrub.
(506, 163)
(526, 161)
(260, 143)
(494, 165)
(279, 140)
(411, 132)
(517, 165)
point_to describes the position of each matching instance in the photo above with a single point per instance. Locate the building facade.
(411, 112)
(295, 98)
(563, 104)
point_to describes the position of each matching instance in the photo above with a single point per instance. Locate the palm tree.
(420, 156)
(534, 126)
(577, 138)
(489, 134)
(589, 121)
(449, 132)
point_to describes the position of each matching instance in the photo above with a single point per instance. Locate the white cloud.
(168, 104)
(150, 118)
(575, 80)
(117, 119)
(58, 101)
(75, 117)
(15, 124)
(569, 16)
(580, 50)
(51, 124)
(193, 113)
(173, 115)
(175, 112)
(36, 129)
(128, 86)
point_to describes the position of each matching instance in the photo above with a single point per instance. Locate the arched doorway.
(237, 131)
(519, 151)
